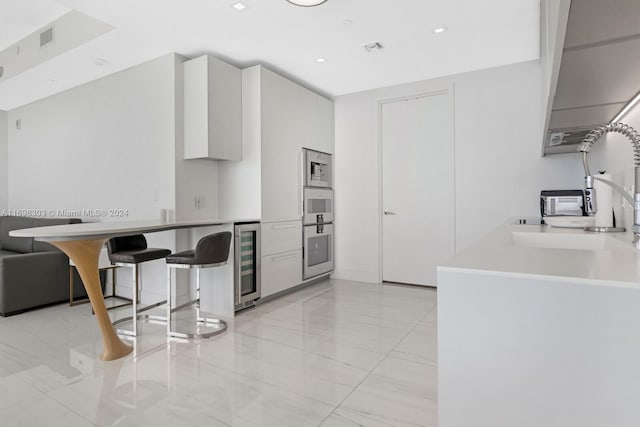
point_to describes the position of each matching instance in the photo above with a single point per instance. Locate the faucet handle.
(590, 206)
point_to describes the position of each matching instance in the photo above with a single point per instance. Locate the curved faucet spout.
(626, 130)
(589, 192)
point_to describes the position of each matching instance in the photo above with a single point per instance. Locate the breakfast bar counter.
(83, 242)
(540, 326)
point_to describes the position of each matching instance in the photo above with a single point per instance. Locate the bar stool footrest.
(219, 325)
(129, 332)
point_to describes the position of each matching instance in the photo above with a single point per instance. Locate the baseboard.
(356, 276)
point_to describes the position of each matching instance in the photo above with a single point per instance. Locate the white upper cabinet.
(308, 104)
(317, 121)
(326, 125)
(212, 109)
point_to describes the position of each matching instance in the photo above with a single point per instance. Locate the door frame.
(450, 91)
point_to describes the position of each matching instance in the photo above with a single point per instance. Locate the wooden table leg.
(85, 254)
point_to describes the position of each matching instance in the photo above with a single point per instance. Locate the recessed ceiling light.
(440, 30)
(321, 60)
(307, 3)
(347, 22)
(239, 6)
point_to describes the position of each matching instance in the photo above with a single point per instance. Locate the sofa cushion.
(16, 244)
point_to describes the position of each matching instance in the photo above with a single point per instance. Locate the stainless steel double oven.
(317, 219)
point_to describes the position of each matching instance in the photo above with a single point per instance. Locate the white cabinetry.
(291, 118)
(212, 109)
(281, 271)
(281, 148)
(308, 105)
(317, 121)
(277, 237)
(326, 125)
(281, 256)
(279, 118)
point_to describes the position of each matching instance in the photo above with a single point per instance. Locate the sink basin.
(577, 241)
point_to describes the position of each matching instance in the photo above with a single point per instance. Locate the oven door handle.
(283, 257)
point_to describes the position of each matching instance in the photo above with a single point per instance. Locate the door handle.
(283, 257)
(388, 212)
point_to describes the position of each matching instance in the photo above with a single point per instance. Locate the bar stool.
(131, 251)
(211, 251)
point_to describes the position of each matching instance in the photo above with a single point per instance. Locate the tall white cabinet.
(280, 118)
(281, 139)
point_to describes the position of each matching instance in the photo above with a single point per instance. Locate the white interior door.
(418, 199)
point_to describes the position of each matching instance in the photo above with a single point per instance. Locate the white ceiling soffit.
(290, 39)
(71, 30)
(21, 18)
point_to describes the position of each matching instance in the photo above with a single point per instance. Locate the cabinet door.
(281, 149)
(309, 117)
(281, 236)
(326, 125)
(212, 109)
(281, 271)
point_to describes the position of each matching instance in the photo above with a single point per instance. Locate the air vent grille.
(46, 37)
(565, 140)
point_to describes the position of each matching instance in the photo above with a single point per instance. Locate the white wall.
(4, 186)
(108, 144)
(499, 171)
(113, 143)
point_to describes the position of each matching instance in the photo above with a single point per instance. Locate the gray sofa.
(32, 273)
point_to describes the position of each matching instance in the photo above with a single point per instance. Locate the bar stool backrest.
(127, 243)
(213, 249)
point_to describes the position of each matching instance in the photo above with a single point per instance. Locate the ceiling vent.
(46, 37)
(372, 47)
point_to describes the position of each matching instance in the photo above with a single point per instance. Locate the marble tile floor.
(337, 353)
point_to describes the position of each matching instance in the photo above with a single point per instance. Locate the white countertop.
(96, 230)
(611, 260)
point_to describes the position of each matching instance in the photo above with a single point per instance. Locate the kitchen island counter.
(533, 331)
(540, 250)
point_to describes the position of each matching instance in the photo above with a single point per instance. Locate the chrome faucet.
(589, 191)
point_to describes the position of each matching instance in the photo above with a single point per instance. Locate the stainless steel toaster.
(562, 203)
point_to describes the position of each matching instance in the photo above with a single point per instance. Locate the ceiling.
(286, 38)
